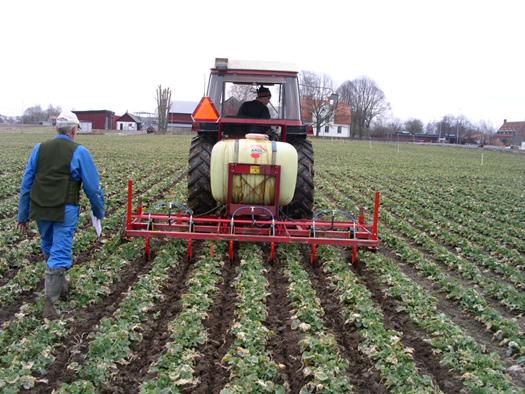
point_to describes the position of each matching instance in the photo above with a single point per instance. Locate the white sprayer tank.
(248, 188)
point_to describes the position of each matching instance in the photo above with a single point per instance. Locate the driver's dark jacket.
(253, 109)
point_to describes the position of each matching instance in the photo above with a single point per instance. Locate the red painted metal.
(254, 72)
(313, 256)
(253, 169)
(282, 123)
(130, 194)
(253, 223)
(376, 215)
(147, 248)
(232, 255)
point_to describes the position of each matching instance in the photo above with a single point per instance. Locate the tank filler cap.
(255, 136)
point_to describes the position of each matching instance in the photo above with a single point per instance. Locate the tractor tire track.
(412, 336)
(284, 344)
(211, 374)
(155, 332)
(84, 321)
(362, 374)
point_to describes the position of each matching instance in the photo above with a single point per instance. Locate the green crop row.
(506, 294)
(20, 359)
(175, 367)
(111, 343)
(248, 360)
(392, 359)
(324, 367)
(479, 371)
(505, 331)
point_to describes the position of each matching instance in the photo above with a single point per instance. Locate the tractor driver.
(257, 108)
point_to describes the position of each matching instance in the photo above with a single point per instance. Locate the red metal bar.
(130, 196)
(232, 255)
(147, 248)
(246, 229)
(184, 219)
(264, 122)
(361, 218)
(370, 243)
(376, 215)
(313, 256)
(253, 169)
(354, 254)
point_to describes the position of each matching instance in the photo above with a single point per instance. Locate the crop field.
(439, 308)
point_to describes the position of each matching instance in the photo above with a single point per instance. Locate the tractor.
(251, 178)
(230, 83)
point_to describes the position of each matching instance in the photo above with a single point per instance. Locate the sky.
(431, 58)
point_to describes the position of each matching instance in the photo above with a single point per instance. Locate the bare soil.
(284, 344)
(211, 374)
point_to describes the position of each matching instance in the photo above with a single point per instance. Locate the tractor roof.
(224, 65)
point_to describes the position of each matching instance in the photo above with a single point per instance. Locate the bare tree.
(243, 93)
(315, 90)
(366, 101)
(414, 126)
(383, 127)
(34, 115)
(163, 107)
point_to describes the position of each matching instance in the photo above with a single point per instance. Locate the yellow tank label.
(255, 170)
(256, 151)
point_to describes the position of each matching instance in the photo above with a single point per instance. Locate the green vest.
(53, 186)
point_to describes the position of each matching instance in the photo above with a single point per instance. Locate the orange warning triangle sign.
(205, 111)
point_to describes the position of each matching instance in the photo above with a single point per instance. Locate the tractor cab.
(233, 83)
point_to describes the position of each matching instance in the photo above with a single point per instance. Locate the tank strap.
(236, 150)
(274, 152)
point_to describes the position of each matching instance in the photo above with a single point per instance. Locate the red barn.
(100, 119)
(180, 113)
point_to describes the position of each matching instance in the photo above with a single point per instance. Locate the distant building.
(128, 122)
(96, 119)
(511, 133)
(179, 115)
(338, 126)
(406, 136)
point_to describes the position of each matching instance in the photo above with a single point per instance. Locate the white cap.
(67, 118)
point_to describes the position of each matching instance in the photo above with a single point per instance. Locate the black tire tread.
(200, 198)
(301, 206)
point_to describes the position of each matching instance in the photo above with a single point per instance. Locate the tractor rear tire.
(302, 203)
(200, 198)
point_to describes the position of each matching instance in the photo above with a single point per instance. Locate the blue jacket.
(83, 170)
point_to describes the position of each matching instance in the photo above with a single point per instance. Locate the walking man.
(50, 194)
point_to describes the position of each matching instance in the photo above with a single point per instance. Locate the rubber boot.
(54, 283)
(65, 289)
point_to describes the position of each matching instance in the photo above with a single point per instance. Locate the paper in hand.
(97, 224)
